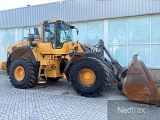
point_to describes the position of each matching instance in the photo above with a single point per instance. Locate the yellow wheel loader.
(53, 54)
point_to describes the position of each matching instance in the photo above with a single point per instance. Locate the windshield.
(65, 33)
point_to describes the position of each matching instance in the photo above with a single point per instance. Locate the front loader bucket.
(138, 85)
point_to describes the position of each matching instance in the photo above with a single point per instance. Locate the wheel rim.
(87, 77)
(19, 73)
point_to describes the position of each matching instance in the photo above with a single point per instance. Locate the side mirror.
(72, 27)
(77, 31)
(46, 24)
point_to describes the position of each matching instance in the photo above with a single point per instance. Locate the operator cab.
(57, 33)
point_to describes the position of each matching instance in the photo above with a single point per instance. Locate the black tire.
(100, 72)
(30, 76)
(8, 67)
(94, 55)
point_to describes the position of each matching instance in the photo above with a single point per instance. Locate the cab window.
(49, 33)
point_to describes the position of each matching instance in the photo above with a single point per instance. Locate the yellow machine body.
(48, 57)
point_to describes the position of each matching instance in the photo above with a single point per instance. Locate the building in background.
(128, 27)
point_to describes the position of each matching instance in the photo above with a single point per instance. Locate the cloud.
(10, 4)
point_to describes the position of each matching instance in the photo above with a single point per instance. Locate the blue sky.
(10, 4)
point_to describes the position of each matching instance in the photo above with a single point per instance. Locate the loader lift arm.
(116, 71)
(119, 71)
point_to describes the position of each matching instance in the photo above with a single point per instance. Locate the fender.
(72, 60)
(20, 50)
